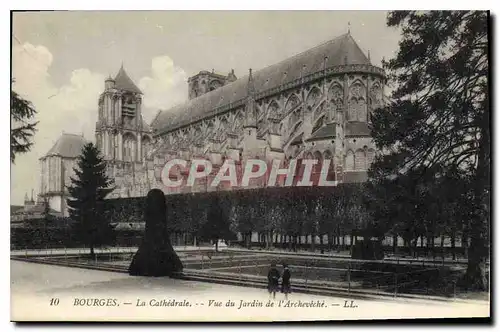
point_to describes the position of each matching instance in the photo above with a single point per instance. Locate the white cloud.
(166, 87)
(72, 107)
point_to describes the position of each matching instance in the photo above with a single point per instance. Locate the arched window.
(340, 117)
(273, 111)
(349, 161)
(352, 114)
(361, 112)
(129, 147)
(359, 160)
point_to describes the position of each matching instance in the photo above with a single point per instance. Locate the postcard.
(250, 166)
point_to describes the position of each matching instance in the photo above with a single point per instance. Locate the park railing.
(330, 275)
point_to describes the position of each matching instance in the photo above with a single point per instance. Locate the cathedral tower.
(121, 133)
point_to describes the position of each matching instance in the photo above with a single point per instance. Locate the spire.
(251, 86)
(25, 197)
(348, 28)
(124, 82)
(250, 120)
(231, 77)
(32, 200)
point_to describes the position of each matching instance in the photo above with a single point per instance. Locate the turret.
(109, 83)
(231, 77)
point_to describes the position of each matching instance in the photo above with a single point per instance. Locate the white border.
(182, 5)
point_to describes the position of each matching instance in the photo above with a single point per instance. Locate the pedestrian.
(273, 277)
(285, 281)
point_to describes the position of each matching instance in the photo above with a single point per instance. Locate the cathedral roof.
(124, 82)
(357, 129)
(336, 52)
(328, 131)
(67, 146)
(297, 140)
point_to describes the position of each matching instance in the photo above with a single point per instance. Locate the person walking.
(273, 277)
(285, 281)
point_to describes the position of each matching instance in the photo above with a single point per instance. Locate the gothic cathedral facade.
(314, 105)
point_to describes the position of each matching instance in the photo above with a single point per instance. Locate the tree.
(88, 189)
(439, 116)
(217, 225)
(22, 130)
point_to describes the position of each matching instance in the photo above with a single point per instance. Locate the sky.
(61, 59)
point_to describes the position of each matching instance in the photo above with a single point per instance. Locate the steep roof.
(124, 82)
(336, 52)
(67, 146)
(357, 129)
(327, 131)
(297, 140)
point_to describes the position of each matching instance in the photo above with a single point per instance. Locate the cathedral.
(314, 105)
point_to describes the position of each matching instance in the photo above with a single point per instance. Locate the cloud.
(72, 107)
(166, 87)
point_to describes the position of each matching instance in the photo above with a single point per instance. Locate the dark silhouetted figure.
(156, 256)
(273, 277)
(285, 282)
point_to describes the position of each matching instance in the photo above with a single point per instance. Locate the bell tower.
(122, 136)
(120, 128)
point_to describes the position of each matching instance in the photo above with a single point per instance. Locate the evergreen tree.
(22, 130)
(87, 191)
(439, 115)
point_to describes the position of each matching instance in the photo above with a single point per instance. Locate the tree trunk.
(194, 240)
(442, 246)
(92, 253)
(216, 245)
(321, 242)
(465, 245)
(313, 242)
(479, 226)
(433, 244)
(415, 251)
(408, 245)
(394, 244)
(453, 246)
